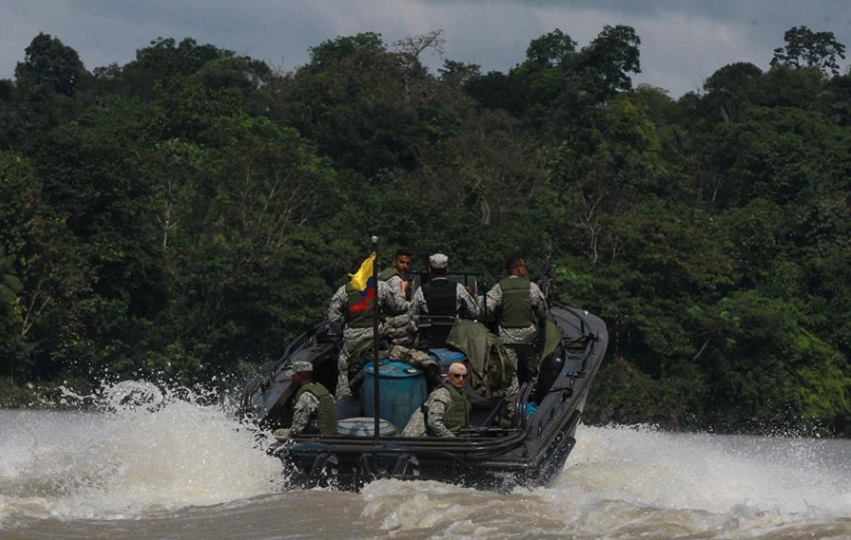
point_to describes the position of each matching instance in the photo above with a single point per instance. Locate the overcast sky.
(682, 41)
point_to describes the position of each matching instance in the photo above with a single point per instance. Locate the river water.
(181, 470)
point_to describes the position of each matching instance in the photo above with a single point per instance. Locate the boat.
(529, 450)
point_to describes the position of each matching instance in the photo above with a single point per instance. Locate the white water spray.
(152, 452)
(623, 482)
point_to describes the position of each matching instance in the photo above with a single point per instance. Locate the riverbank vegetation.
(182, 216)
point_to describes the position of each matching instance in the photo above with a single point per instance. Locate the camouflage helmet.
(438, 260)
(301, 366)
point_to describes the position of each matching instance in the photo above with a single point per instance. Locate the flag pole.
(375, 367)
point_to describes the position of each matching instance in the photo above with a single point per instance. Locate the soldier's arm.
(439, 401)
(539, 302)
(337, 307)
(493, 298)
(395, 285)
(393, 303)
(306, 405)
(416, 304)
(469, 307)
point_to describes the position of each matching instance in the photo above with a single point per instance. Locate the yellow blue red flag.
(364, 280)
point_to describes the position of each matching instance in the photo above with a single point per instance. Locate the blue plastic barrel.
(446, 357)
(402, 390)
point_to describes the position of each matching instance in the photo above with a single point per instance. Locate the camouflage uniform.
(417, 358)
(437, 404)
(398, 329)
(353, 338)
(310, 415)
(465, 306)
(305, 415)
(523, 335)
(394, 281)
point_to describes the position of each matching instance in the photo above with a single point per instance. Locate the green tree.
(665, 262)
(162, 60)
(557, 84)
(370, 109)
(51, 63)
(603, 68)
(805, 48)
(605, 169)
(52, 272)
(238, 206)
(553, 49)
(10, 287)
(10, 284)
(729, 89)
(770, 369)
(459, 74)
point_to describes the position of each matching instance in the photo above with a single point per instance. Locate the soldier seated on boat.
(521, 313)
(314, 409)
(446, 411)
(493, 373)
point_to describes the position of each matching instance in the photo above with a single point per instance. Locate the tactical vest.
(362, 318)
(388, 273)
(440, 298)
(327, 417)
(391, 272)
(516, 303)
(458, 411)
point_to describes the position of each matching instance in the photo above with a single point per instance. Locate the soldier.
(314, 410)
(399, 329)
(357, 324)
(443, 297)
(396, 275)
(521, 312)
(446, 411)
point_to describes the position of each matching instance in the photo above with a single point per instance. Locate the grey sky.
(682, 41)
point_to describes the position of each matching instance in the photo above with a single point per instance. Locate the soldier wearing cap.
(314, 410)
(440, 296)
(446, 411)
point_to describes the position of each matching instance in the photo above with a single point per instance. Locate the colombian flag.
(364, 281)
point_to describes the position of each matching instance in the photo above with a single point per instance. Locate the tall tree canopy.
(186, 214)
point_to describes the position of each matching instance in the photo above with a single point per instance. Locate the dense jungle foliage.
(182, 216)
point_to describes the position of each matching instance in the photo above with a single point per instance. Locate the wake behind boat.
(528, 448)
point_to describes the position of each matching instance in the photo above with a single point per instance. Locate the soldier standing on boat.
(446, 411)
(440, 296)
(521, 312)
(399, 329)
(314, 410)
(357, 324)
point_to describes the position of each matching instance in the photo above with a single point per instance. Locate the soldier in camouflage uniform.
(442, 297)
(396, 276)
(521, 310)
(399, 329)
(446, 411)
(314, 410)
(357, 326)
